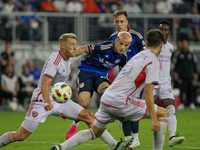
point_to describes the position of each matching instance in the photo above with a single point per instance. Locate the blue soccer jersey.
(137, 43)
(102, 58)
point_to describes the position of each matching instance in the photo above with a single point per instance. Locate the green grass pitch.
(53, 132)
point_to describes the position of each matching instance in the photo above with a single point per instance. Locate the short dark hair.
(154, 38)
(120, 12)
(165, 22)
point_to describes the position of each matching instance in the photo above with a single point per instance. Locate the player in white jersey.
(56, 69)
(164, 89)
(119, 101)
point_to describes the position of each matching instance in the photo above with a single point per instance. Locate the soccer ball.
(61, 92)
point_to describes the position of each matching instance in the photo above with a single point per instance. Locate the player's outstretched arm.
(82, 49)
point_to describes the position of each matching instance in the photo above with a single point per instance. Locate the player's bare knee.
(85, 105)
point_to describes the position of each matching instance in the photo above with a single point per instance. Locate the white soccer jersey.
(141, 69)
(165, 59)
(55, 67)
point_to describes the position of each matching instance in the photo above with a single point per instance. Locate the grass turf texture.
(54, 129)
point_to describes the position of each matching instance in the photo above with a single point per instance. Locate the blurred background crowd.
(29, 31)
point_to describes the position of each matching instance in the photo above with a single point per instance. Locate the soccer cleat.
(124, 145)
(56, 147)
(135, 144)
(181, 107)
(176, 140)
(120, 124)
(192, 106)
(71, 131)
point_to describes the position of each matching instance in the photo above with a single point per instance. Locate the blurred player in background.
(164, 89)
(137, 45)
(120, 99)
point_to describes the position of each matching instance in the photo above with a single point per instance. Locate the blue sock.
(126, 125)
(134, 126)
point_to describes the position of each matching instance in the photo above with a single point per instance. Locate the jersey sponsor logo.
(128, 50)
(108, 64)
(81, 85)
(34, 114)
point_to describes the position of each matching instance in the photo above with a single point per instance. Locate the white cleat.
(192, 106)
(135, 144)
(176, 140)
(120, 124)
(181, 107)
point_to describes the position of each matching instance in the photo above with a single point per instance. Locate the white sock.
(79, 138)
(159, 136)
(75, 123)
(127, 138)
(106, 137)
(135, 136)
(6, 139)
(172, 123)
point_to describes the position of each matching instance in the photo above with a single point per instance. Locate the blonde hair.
(65, 36)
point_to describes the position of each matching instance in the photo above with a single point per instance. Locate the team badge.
(34, 114)
(118, 60)
(81, 85)
(143, 42)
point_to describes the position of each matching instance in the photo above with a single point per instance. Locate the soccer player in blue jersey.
(137, 45)
(93, 75)
(120, 98)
